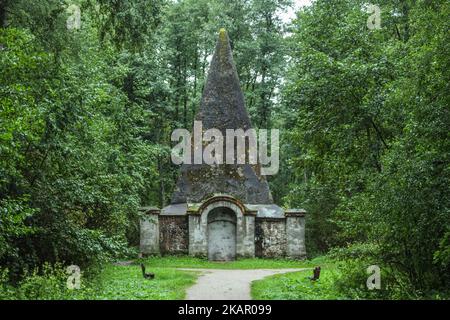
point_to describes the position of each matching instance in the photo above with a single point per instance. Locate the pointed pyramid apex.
(223, 34)
(223, 50)
(222, 107)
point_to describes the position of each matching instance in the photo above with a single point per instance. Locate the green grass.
(111, 282)
(127, 283)
(254, 263)
(298, 286)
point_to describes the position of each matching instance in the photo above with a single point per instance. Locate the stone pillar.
(197, 236)
(248, 236)
(149, 231)
(295, 233)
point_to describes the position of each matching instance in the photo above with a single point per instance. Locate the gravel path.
(218, 284)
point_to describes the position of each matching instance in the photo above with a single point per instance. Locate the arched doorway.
(221, 234)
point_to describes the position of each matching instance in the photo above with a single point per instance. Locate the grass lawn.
(126, 283)
(297, 285)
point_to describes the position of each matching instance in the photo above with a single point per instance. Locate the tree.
(371, 133)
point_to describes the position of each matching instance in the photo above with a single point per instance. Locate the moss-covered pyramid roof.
(222, 107)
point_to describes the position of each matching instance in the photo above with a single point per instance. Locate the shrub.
(50, 283)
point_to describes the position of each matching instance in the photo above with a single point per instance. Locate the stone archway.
(244, 224)
(221, 233)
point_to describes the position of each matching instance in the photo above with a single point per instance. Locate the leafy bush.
(74, 147)
(7, 292)
(83, 246)
(46, 283)
(14, 227)
(353, 262)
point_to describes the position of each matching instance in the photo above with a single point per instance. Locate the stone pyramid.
(222, 107)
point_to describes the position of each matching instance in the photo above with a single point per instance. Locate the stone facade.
(223, 211)
(270, 236)
(223, 228)
(173, 234)
(295, 233)
(149, 227)
(198, 227)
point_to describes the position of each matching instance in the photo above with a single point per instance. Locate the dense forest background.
(86, 116)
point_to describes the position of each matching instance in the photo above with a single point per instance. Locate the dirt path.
(218, 284)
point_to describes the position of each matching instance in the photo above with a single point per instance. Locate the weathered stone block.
(295, 234)
(197, 237)
(248, 237)
(149, 233)
(270, 237)
(173, 234)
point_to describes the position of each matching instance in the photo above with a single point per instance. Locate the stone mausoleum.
(223, 211)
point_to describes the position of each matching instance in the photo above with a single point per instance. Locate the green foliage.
(110, 283)
(74, 161)
(128, 23)
(7, 292)
(298, 286)
(46, 283)
(127, 283)
(12, 224)
(49, 283)
(442, 255)
(86, 114)
(86, 117)
(371, 128)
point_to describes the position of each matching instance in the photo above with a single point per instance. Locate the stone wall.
(267, 237)
(149, 234)
(270, 236)
(295, 234)
(173, 234)
(197, 237)
(248, 237)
